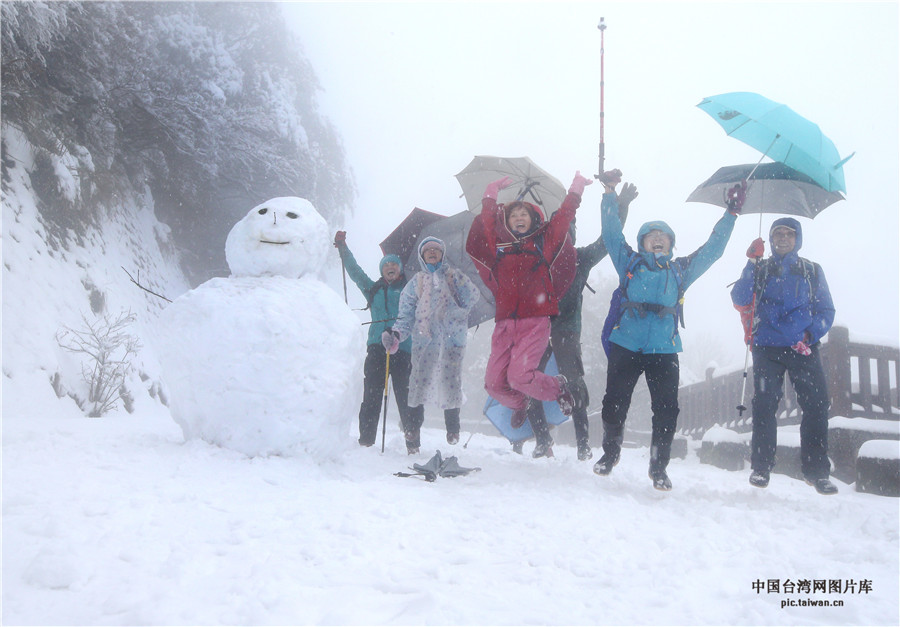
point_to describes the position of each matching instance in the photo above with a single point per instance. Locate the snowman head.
(281, 237)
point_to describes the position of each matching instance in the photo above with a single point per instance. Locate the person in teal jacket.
(646, 339)
(383, 301)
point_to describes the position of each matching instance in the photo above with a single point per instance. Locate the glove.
(735, 197)
(494, 188)
(756, 250)
(390, 339)
(578, 184)
(802, 348)
(629, 192)
(611, 178)
(340, 239)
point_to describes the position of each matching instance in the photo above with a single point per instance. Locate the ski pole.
(387, 371)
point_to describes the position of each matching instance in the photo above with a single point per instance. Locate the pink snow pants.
(516, 350)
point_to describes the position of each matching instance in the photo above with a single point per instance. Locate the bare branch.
(144, 288)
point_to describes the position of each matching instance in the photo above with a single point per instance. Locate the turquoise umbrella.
(781, 134)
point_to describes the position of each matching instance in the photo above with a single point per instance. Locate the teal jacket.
(654, 280)
(382, 298)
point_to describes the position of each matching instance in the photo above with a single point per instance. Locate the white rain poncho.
(434, 310)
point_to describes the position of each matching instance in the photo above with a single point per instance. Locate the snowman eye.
(291, 215)
(262, 211)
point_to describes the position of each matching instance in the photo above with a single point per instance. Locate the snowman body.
(266, 362)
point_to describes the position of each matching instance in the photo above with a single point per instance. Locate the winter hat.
(431, 242)
(389, 259)
(656, 225)
(791, 224)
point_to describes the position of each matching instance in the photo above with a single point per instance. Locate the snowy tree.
(211, 106)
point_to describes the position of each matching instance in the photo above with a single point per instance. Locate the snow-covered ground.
(119, 520)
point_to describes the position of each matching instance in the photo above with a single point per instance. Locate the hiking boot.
(543, 450)
(412, 439)
(412, 450)
(518, 417)
(366, 442)
(452, 438)
(660, 480)
(759, 478)
(606, 463)
(584, 452)
(517, 447)
(565, 399)
(822, 486)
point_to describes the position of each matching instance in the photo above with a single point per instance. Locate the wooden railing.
(874, 395)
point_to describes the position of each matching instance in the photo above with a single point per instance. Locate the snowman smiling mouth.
(265, 241)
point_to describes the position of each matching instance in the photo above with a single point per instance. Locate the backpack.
(805, 267)
(378, 286)
(619, 302)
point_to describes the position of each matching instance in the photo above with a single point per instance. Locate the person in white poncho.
(434, 310)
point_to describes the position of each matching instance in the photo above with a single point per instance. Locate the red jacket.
(528, 275)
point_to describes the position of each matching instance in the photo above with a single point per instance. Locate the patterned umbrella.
(780, 134)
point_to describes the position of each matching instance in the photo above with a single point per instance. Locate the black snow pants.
(808, 379)
(373, 393)
(567, 349)
(662, 372)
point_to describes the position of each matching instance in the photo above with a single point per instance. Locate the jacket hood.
(537, 216)
(389, 259)
(422, 246)
(791, 223)
(655, 225)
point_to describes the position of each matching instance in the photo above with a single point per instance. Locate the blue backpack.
(619, 301)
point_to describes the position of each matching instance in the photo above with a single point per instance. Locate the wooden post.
(836, 361)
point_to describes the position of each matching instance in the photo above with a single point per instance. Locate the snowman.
(265, 362)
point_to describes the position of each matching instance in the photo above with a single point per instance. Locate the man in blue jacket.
(791, 311)
(383, 301)
(646, 339)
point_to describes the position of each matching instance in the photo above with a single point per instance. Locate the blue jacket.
(654, 281)
(383, 300)
(792, 299)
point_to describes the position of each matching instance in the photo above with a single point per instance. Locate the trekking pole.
(376, 321)
(741, 407)
(602, 27)
(344, 274)
(387, 371)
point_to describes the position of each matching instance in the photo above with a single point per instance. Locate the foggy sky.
(417, 89)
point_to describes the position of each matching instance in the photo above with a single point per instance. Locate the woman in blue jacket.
(646, 340)
(792, 311)
(383, 301)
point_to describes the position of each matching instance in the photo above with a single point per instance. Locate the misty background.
(199, 111)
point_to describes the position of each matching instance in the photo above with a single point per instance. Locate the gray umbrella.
(772, 188)
(530, 183)
(453, 231)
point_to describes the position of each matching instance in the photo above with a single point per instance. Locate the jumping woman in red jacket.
(521, 260)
